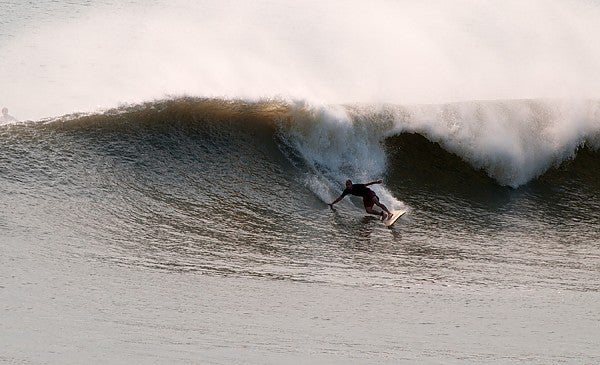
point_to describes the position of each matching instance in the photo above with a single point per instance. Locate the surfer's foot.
(384, 216)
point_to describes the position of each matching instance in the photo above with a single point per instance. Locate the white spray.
(513, 141)
(335, 144)
(81, 57)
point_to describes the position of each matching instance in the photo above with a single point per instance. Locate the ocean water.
(163, 194)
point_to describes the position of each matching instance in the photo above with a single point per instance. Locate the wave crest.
(514, 142)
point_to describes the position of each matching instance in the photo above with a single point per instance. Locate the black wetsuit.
(367, 194)
(358, 190)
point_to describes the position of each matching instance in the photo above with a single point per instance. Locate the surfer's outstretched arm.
(335, 201)
(374, 182)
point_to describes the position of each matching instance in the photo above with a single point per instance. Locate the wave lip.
(513, 141)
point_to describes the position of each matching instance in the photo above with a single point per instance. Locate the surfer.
(368, 195)
(7, 117)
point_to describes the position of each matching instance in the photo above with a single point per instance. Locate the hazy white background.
(105, 53)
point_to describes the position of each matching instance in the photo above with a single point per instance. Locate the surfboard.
(395, 215)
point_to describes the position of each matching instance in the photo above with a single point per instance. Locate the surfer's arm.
(337, 200)
(374, 182)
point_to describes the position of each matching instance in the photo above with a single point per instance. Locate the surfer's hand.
(379, 181)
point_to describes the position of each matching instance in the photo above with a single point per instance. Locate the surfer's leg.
(380, 205)
(369, 201)
(370, 210)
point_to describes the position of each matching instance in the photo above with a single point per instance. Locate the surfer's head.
(348, 183)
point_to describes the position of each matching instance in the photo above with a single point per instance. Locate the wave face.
(512, 142)
(222, 185)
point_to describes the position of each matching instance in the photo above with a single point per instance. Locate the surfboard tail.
(396, 214)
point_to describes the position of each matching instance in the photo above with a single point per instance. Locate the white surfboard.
(395, 215)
